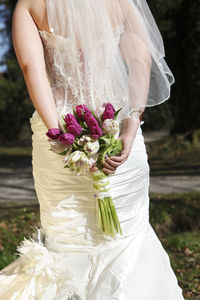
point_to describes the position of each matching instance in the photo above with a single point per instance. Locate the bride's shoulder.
(37, 9)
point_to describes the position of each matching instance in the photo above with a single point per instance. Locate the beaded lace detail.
(69, 77)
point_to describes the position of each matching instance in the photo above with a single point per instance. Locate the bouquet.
(88, 138)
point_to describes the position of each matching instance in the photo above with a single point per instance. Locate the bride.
(91, 52)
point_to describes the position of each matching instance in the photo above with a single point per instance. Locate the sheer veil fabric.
(121, 49)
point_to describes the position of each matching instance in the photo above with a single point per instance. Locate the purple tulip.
(92, 123)
(72, 125)
(96, 132)
(53, 133)
(90, 119)
(66, 138)
(80, 110)
(108, 112)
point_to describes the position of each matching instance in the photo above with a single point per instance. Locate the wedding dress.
(68, 257)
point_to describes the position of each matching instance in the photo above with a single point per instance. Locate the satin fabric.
(68, 258)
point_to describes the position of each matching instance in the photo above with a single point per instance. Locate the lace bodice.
(69, 76)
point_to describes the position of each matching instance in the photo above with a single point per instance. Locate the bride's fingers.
(108, 172)
(120, 158)
(93, 168)
(112, 163)
(108, 166)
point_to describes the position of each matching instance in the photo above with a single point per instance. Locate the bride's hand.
(112, 163)
(130, 127)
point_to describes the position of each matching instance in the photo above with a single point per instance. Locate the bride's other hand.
(127, 136)
(93, 168)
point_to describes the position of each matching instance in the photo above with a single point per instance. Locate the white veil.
(122, 49)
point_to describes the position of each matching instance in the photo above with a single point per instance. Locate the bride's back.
(38, 11)
(81, 40)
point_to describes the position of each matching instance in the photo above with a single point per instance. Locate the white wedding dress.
(69, 258)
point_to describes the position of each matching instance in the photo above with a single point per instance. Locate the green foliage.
(177, 154)
(180, 25)
(175, 219)
(15, 224)
(15, 106)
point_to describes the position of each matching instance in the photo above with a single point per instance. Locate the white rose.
(57, 146)
(84, 139)
(78, 162)
(110, 126)
(91, 148)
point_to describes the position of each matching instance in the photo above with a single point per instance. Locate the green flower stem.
(110, 217)
(104, 217)
(108, 220)
(101, 222)
(115, 217)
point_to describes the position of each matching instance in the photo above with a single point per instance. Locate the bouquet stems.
(108, 220)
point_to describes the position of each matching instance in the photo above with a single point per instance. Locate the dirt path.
(17, 187)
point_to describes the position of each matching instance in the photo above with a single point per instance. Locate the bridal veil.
(122, 50)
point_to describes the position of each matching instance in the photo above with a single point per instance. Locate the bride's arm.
(29, 51)
(134, 48)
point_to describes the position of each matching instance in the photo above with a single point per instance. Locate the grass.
(175, 155)
(15, 224)
(174, 217)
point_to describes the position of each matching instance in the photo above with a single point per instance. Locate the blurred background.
(172, 137)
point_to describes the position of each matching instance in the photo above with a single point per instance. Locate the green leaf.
(76, 146)
(65, 127)
(75, 114)
(116, 147)
(117, 113)
(83, 125)
(63, 153)
(106, 139)
(94, 115)
(85, 131)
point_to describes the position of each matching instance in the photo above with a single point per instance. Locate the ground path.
(17, 187)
